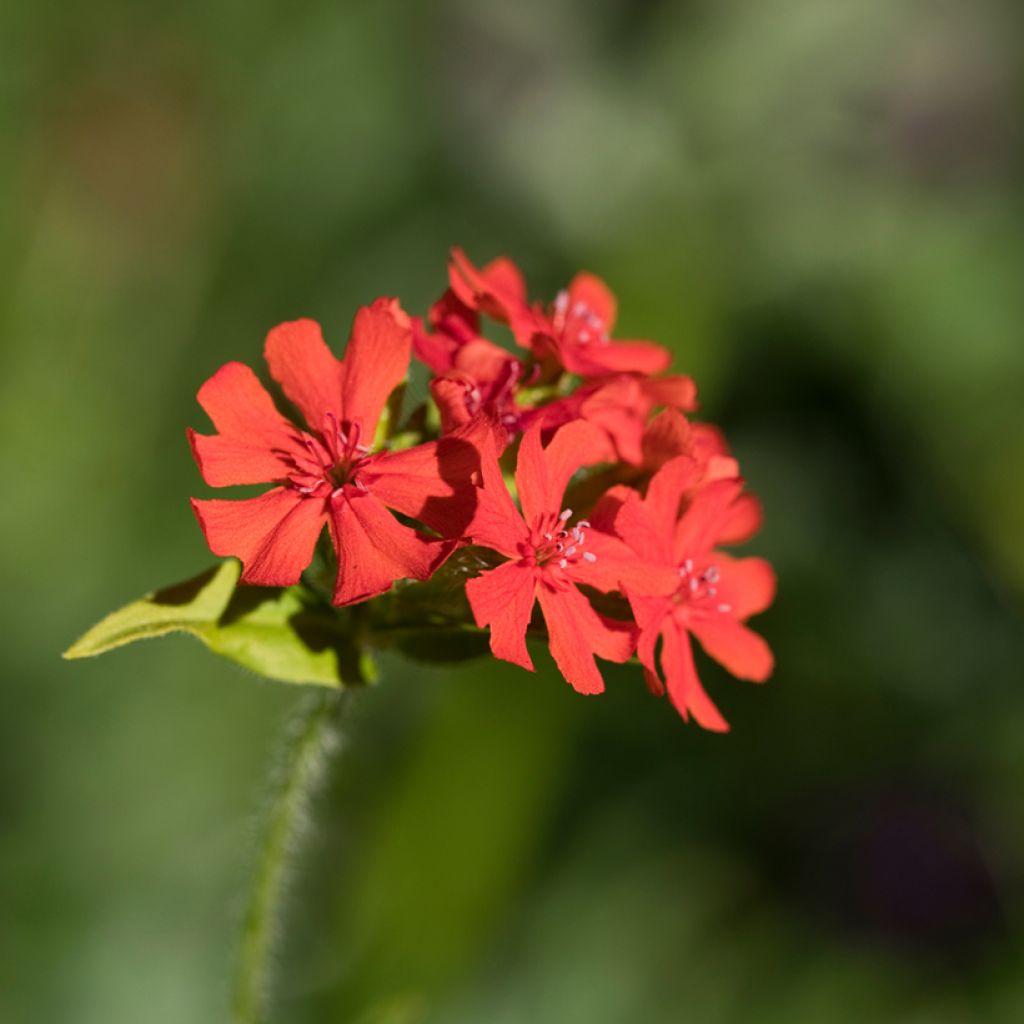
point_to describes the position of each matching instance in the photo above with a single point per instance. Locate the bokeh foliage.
(816, 204)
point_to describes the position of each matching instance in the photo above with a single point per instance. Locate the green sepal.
(283, 633)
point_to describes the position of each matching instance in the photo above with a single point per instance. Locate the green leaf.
(281, 633)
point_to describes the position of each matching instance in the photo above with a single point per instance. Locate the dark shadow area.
(184, 593)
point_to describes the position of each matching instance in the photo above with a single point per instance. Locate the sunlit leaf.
(281, 633)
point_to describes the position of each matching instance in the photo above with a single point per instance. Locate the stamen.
(564, 514)
(725, 608)
(589, 556)
(562, 563)
(570, 551)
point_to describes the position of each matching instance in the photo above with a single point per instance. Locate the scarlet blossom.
(472, 374)
(547, 558)
(328, 474)
(574, 331)
(697, 590)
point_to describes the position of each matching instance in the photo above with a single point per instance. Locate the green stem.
(309, 739)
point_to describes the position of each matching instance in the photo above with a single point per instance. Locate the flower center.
(328, 460)
(556, 544)
(576, 323)
(699, 588)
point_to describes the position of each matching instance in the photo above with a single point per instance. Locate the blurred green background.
(817, 204)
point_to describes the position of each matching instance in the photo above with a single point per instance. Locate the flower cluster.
(562, 474)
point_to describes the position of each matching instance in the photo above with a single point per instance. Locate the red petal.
(273, 535)
(607, 508)
(451, 396)
(678, 392)
(498, 290)
(543, 473)
(436, 483)
(650, 615)
(435, 350)
(619, 567)
(308, 373)
(654, 683)
(709, 440)
(742, 520)
(241, 409)
(738, 649)
(497, 523)
(593, 293)
(746, 585)
(505, 280)
(698, 529)
(503, 599)
(667, 436)
(683, 684)
(665, 494)
(454, 318)
(376, 362)
(225, 462)
(375, 549)
(570, 641)
(620, 408)
(484, 361)
(615, 357)
(635, 525)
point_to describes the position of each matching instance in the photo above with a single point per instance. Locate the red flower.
(699, 590)
(328, 474)
(472, 373)
(574, 331)
(547, 558)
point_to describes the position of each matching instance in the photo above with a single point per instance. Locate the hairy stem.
(310, 738)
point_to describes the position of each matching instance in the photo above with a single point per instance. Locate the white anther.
(565, 513)
(562, 563)
(725, 608)
(548, 536)
(589, 556)
(571, 551)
